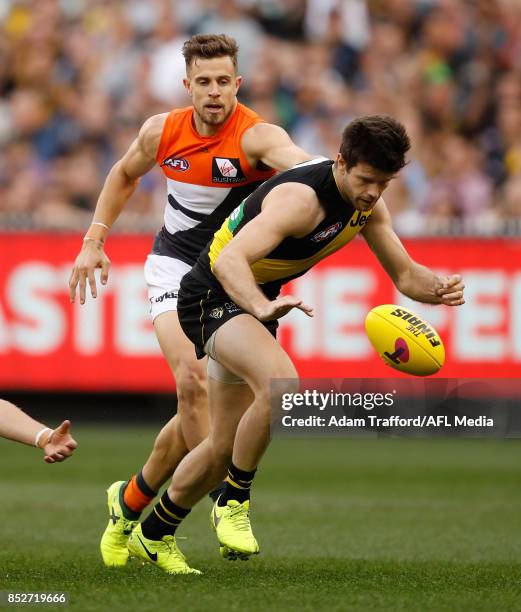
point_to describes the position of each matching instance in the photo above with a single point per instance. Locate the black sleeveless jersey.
(293, 256)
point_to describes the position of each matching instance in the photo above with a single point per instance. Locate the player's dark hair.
(377, 140)
(208, 46)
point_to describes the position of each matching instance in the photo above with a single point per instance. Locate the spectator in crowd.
(73, 73)
(512, 199)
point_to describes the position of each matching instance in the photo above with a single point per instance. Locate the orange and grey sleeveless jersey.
(293, 256)
(207, 177)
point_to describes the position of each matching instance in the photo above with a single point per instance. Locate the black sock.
(219, 490)
(164, 519)
(143, 487)
(238, 483)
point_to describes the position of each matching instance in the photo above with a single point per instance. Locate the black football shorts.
(202, 311)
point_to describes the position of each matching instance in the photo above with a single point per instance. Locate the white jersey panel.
(197, 199)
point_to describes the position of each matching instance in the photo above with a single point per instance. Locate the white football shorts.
(163, 277)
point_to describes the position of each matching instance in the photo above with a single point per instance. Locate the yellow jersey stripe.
(267, 270)
(220, 239)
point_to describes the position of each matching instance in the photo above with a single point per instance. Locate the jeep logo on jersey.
(227, 170)
(328, 232)
(360, 219)
(180, 164)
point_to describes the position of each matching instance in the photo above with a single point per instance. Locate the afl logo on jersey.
(329, 232)
(180, 164)
(227, 170)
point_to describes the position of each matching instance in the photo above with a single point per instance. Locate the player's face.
(362, 184)
(212, 85)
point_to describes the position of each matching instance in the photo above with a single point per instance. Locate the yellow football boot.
(113, 543)
(163, 553)
(233, 529)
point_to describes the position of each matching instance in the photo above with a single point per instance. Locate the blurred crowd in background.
(79, 77)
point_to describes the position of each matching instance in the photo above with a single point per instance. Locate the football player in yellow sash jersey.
(229, 304)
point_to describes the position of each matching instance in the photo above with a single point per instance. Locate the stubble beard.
(212, 119)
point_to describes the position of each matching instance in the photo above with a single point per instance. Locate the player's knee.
(284, 371)
(269, 397)
(191, 387)
(281, 379)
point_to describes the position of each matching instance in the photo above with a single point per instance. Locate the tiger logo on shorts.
(217, 313)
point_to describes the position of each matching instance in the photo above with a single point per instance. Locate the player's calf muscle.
(221, 447)
(170, 437)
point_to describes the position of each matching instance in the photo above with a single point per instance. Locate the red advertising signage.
(109, 343)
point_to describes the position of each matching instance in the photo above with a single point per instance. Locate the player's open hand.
(60, 444)
(451, 290)
(91, 256)
(281, 306)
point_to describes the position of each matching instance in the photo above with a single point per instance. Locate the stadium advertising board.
(109, 344)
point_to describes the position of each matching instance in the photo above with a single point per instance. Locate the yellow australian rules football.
(404, 340)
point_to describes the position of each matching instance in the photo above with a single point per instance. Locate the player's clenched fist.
(91, 256)
(451, 290)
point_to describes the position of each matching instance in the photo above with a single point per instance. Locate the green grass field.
(343, 524)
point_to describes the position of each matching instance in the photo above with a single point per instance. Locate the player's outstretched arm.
(259, 237)
(57, 444)
(272, 146)
(120, 184)
(411, 278)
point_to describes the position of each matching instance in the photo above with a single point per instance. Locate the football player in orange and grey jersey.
(213, 154)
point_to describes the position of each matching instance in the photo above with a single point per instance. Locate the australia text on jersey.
(227, 170)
